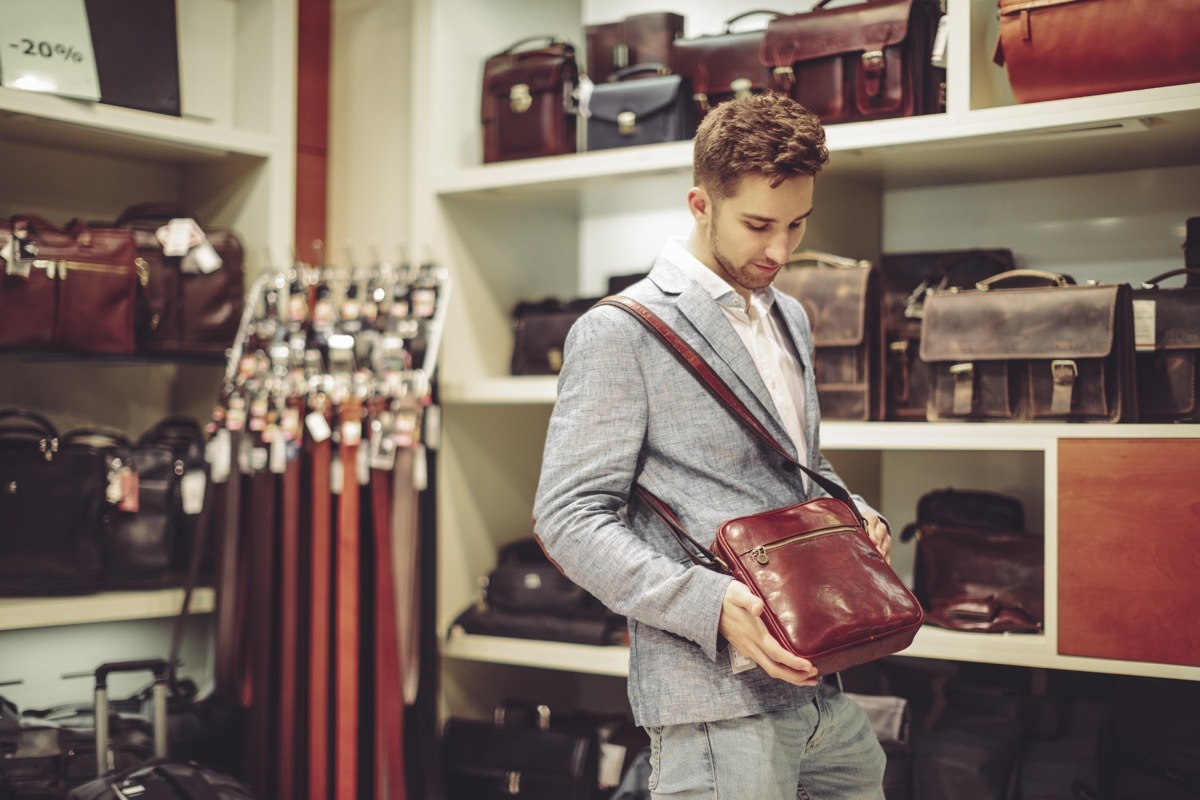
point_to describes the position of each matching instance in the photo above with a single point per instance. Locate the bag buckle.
(702, 100)
(512, 784)
(1065, 372)
(873, 63)
(785, 78)
(964, 388)
(519, 98)
(741, 87)
(627, 123)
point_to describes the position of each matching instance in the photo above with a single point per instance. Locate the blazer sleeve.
(593, 450)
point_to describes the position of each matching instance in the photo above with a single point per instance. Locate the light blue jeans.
(823, 751)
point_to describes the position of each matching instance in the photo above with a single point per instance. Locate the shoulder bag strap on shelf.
(721, 391)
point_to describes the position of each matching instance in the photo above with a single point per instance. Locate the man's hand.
(880, 536)
(742, 627)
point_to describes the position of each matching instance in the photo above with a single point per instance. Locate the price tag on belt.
(46, 46)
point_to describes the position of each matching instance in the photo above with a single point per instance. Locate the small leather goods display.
(828, 595)
(636, 39)
(526, 597)
(529, 108)
(907, 278)
(196, 280)
(1053, 49)
(841, 297)
(870, 60)
(1048, 351)
(541, 760)
(625, 112)
(75, 288)
(722, 66)
(540, 332)
(52, 501)
(1167, 339)
(977, 569)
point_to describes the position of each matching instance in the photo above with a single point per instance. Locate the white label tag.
(420, 474)
(46, 46)
(612, 762)
(318, 427)
(940, 38)
(335, 476)
(179, 236)
(739, 662)
(1144, 315)
(192, 487)
(279, 447)
(205, 258)
(364, 466)
(433, 427)
(219, 455)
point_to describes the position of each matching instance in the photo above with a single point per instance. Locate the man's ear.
(700, 204)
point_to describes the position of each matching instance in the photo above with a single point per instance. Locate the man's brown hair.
(767, 134)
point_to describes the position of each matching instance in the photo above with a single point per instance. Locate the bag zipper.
(57, 269)
(761, 554)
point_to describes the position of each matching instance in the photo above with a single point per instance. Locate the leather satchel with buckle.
(528, 106)
(1049, 351)
(626, 112)
(722, 66)
(870, 60)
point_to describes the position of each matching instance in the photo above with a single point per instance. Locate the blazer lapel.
(733, 362)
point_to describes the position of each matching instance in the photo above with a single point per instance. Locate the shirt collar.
(677, 253)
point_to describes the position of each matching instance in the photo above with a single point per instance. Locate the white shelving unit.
(1098, 187)
(229, 159)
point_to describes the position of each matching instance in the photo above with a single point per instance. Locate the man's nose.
(779, 248)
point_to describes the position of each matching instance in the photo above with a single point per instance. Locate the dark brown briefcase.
(528, 107)
(540, 330)
(1053, 351)
(625, 113)
(1167, 338)
(841, 298)
(722, 66)
(870, 60)
(907, 278)
(197, 287)
(1070, 48)
(637, 39)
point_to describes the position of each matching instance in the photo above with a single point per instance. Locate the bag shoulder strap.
(719, 388)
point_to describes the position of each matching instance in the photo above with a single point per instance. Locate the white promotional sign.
(46, 46)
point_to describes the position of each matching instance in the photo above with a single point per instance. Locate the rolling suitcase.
(161, 778)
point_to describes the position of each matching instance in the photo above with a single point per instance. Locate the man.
(766, 726)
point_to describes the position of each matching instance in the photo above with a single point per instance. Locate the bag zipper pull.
(760, 554)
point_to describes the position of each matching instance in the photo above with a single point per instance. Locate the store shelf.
(1014, 649)
(45, 612)
(1060, 137)
(47, 119)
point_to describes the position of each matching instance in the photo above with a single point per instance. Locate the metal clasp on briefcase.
(519, 98)
(627, 123)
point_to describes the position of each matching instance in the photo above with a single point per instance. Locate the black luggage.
(161, 778)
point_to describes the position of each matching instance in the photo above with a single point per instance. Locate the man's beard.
(747, 275)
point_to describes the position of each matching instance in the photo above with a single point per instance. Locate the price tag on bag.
(46, 46)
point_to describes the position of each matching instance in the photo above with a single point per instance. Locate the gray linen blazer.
(628, 412)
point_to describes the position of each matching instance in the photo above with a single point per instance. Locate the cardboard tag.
(219, 454)
(739, 662)
(129, 491)
(1144, 318)
(335, 475)
(318, 427)
(191, 489)
(46, 46)
(205, 257)
(612, 761)
(940, 39)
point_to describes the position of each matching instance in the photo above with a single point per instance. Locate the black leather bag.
(627, 113)
(1167, 340)
(540, 331)
(542, 761)
(186, 480)
(52, 500)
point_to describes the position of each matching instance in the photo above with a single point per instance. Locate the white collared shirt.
(769, 345)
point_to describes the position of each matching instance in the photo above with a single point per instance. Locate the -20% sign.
(45, 49)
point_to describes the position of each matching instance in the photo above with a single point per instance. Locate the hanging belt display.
(318, 451)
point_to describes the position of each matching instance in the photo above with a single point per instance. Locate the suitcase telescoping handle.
(158, 667)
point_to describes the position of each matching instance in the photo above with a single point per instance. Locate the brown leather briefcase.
(1167, 338)
(1070, 48)
(907, 278)
(841, 298)
(722, 66)
(870, 60)
(528, 107)
(1053, 351)
(637, 39)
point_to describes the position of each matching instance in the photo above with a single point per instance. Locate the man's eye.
(756, 228)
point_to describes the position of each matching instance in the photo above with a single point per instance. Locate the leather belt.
(289, 756)
(346, 632)
(319, 620)
(389, 670)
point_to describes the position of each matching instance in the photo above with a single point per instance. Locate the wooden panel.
(1128, 550)
(314, 28)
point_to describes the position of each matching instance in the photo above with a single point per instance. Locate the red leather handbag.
(830, 597)
(74, 288)
(722, 66)
(870, 60)
(636, 39)
(528, 107)
(1070, 48)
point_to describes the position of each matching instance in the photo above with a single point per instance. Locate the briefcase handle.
(829, 260)
(155, 211)
(547, 41)
(1049, 278)
(21, 423)
(1153, 282)
(639, 69)
(729, 22)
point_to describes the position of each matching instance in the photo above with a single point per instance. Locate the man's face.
(747, 237)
